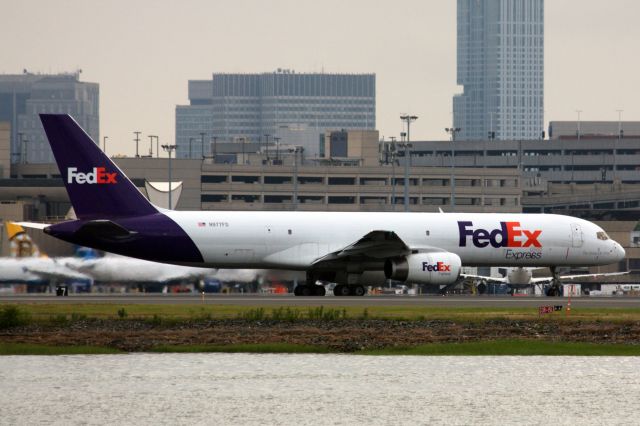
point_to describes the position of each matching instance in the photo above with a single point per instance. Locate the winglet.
(13, 229)
(21, 244)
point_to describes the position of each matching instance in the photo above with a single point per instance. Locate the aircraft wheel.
(553, 291)
(306, 290)
(341, 290)
(358, 290)
(319, 290)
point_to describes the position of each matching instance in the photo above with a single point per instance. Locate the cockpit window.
(602, 235)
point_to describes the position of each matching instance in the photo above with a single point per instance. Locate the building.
(566, 160)
(24, 96)
(500, 60)
(593, 129)
(595, 178)
(255, 107)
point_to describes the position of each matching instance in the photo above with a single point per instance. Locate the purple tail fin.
(97, 188)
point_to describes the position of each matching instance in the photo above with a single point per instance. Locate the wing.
(486, 278)
(604, 274)
(59, 273)
(375, 245)
(540, 280)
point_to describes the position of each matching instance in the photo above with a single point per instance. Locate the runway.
(365, 301)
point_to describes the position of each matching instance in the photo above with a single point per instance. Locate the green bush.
(122, 313)
(254, 314)
(11, 316)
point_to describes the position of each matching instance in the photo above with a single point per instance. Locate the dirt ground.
(340, 335)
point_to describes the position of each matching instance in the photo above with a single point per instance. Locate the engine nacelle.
(425, 268)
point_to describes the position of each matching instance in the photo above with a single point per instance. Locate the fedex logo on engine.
(98, 176)
(438, 267)
(510, 234)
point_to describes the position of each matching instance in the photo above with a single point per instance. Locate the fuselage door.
(577, 237)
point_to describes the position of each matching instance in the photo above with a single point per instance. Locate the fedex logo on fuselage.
(438, 267)
(510, 234)
(98, 176)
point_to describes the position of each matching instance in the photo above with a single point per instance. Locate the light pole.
(157, 147)
(215, 146)
(243, 158)
(295, 151)
(266, 143)
(19, 155)
(169, 149)
(25, 143)
(452, 131)
(104, 144)
(202, 144)
(151, 146)
(393, 173)
(137, 139)
(190, 143)
(615, 148)
(579, 111)
(407, 157)
(277, 141)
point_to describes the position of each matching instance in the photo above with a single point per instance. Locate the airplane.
(30, 267)
(351, 249)
(27, 265)
(122, 269)
(521, 277)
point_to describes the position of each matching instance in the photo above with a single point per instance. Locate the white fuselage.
(294, 240)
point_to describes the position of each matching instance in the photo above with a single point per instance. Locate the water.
(227, 389)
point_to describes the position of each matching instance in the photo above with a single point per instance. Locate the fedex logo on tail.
(98, 176)
(438, 267)
(510, 234)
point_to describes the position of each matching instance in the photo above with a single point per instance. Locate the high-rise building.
(501, 68)
(24, 96)
(254, 107)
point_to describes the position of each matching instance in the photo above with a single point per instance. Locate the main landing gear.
(339, 290)
(309, 290)
(555, 289)
(349, 290)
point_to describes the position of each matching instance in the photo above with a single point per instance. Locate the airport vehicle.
(351, 249)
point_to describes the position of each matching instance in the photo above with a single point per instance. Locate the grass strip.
(258, 348)
(35, 349)
(483, 348)
(512, 348)
(176, 313)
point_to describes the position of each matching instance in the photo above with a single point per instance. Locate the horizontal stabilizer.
(32, 225)
(104, 230)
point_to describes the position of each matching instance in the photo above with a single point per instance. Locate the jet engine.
(424, 268)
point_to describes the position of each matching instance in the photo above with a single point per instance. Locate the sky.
(143, 52)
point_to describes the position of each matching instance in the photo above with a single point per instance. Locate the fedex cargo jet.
(350, 249)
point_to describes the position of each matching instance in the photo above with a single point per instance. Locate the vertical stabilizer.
(97, 188)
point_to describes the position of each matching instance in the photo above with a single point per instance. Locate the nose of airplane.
(618, 252)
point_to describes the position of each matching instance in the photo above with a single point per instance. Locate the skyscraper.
(501, 68)
(24, 96)
(247, 107)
